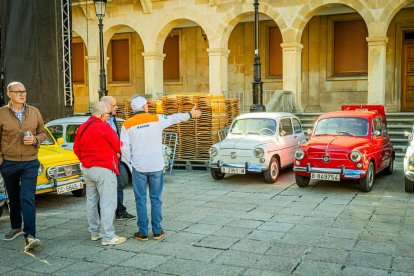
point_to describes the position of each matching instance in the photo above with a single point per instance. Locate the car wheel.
(409, 186)
(216, 174)
(390, 168)
(366, 183)
(302, 181)
(272, 172)
(123, 173)
(80, 192)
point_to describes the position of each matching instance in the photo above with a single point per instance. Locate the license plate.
(325, 176)
(233, 170)
(69, 187)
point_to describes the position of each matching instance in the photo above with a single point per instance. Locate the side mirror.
(60, 140)
(309, 131)
(377, 133)
(409, 135)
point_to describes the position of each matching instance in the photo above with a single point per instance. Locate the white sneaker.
(114, 241)
(96, 236)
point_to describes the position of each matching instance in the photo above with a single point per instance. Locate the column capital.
(153, 55)
(377, 40)
(218, 52)
(292, 46)
(92, 59)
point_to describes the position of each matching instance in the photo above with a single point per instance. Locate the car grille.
(63, 171)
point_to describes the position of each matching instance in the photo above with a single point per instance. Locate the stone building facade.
(327, 52)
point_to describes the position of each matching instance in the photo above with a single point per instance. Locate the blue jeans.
(20, 179)
(155, 182)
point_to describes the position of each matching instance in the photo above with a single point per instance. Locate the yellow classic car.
(59, 169)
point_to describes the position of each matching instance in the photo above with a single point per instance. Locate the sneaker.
(31, 243)
(12, 234)
(114, 241)
(140, 237)
(96, 236)
(158, 236)
(124, 216)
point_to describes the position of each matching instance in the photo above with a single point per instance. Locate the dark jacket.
(11, 133)
(97, 145)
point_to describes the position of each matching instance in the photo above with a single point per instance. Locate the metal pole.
(257, 83)
(102, 77)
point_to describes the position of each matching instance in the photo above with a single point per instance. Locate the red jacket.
(97, 145)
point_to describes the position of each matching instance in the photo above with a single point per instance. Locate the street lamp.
(100, 6)
(257, 83)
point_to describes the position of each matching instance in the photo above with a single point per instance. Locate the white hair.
(13, 84)
(107, 99)
(100, 108)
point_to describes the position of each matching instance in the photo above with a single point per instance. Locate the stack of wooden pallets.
(196, 136)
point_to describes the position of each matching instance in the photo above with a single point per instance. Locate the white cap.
(137, 103)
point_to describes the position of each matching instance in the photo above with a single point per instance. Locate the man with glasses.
(21, 133)
(121, 211)
(98, 149)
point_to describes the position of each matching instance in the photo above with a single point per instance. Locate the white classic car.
(261, 142)
(66, 128)
(409, 163)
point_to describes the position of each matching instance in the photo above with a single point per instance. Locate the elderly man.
(121, 211)
(21, 132)
(141, 138)
(98, 149)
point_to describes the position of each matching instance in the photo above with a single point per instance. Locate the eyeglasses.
(18, 92)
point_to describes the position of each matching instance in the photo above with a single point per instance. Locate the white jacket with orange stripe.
(141, 139)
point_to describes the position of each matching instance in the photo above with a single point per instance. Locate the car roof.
(350, 113)
(265, 115)
(74, 120)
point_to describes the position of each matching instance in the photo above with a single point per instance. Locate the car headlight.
(40, 170)
(258, 152)
(411, 163)
(299, 154)
(51, 172)
(213, 152)
(355, 156)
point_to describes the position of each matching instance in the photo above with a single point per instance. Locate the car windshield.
(347, 126)
(260, 126)
(49, 139)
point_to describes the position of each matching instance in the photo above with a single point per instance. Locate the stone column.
(218, 59)
(93, 79)
(154, 74)
(292, 72)
(376, 69)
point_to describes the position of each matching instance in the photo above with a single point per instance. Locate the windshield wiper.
(346, 133)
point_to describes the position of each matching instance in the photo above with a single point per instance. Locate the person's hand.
(29, 140)
(195, 113)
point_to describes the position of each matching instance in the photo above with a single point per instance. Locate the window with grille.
(78, 62)
(172, 58)
(275, 68)
(120, 59)
(350, 48)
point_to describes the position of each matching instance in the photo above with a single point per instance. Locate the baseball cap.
(138, 103)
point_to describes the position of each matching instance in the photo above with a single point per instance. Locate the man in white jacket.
(141, 145)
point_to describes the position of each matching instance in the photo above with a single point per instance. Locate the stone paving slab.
(237, 226)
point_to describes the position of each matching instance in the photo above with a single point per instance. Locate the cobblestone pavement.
(237, 226)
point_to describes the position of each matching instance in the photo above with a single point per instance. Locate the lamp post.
(100, 6)
(257, 83)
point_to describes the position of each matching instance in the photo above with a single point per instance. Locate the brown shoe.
(138, 236)
(159, 236)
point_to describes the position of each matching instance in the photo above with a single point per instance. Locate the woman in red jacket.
(98, 149)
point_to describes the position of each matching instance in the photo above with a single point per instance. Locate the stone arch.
(112, 30)
(391, 9)
(82, 34)
(237, 13)
(313, 7)
(167, 25)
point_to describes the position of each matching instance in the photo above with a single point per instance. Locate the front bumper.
(56, 183)
(344, 172)
(248, 166)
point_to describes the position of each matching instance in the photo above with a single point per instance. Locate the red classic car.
(348, 144)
